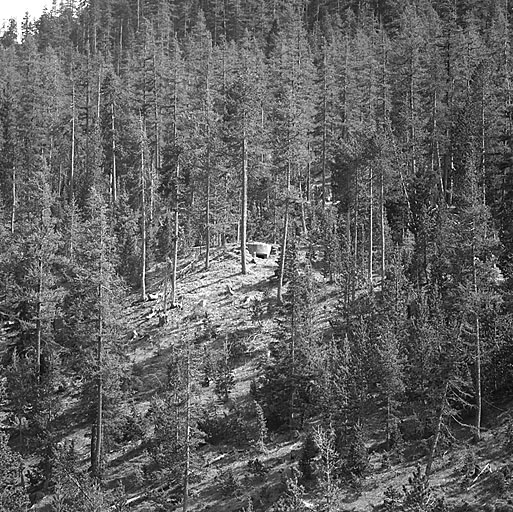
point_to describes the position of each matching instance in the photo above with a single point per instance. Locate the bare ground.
(228, 298)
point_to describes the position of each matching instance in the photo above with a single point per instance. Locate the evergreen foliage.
(13, 496)
(371, 141)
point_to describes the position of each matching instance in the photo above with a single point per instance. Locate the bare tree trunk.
(308, 177)
(152, 192)
(157, 115)
(208, 184)
(98, 95)
(72, 173)
(275, 212)
(283, 251)
(175, 240)
(355, 238)
(39, 324)
(143, 219)
(371, 227)
(303, 212)
(164, 291)
(348, 285)
(207, 219)
(176, 228)
(483, 145)
(98, 431)
(244, 206)
(226, 210)
(120, 50)
(114, 177)
(284, 241)
(438, 430)
(187, 432)
(324, 130)
(478, 398)
(382, 225)
(14, 200)
(412, 120)
(292, 370)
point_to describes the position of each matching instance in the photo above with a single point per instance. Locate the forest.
(150, 362)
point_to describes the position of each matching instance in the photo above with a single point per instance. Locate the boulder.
(260, 249)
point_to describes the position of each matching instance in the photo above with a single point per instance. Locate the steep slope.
(220, 305)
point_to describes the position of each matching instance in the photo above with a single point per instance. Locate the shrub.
(256, 467)
(393, 499)
(229, 483)
(416, 492)
(261, 427)
(234, 427)
(125, 428)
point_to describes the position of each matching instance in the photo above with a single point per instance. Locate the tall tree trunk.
(292, 368)
(175, 239)
(355, 237)
(324, 128)
(371, 226)
(308, 176)
(14, 200)
(438, 429)
(120, 49)
(207, 218)
(98, 96)
(176, 223)
(413, 133)
(303, 212)
(98, 431)
(244, 205)
(114, 176)
(283, 251)
(164, 291)
(483, 146)
(382, 225)
(478, 398)
(72, 173)
(284, 240)
(187, 431)
(157, 115)
(88, 115)
(143, 215)
(208, 184)
(348, 285)
(39, 324)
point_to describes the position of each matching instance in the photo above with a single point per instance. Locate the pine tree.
(175, 413)
(224, 378)
(416, 493)
(291, 82)
(287, 379)
(309, 451)
(261, 428)
(92, 314)
(75, 489)
(325, 441)
(13, 497)
(204, 130)
(242, 124)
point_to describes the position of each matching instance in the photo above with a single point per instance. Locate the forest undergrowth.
(234, 463)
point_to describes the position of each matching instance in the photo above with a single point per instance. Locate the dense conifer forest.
(150, 361)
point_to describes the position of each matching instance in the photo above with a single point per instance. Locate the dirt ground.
(244, 307)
